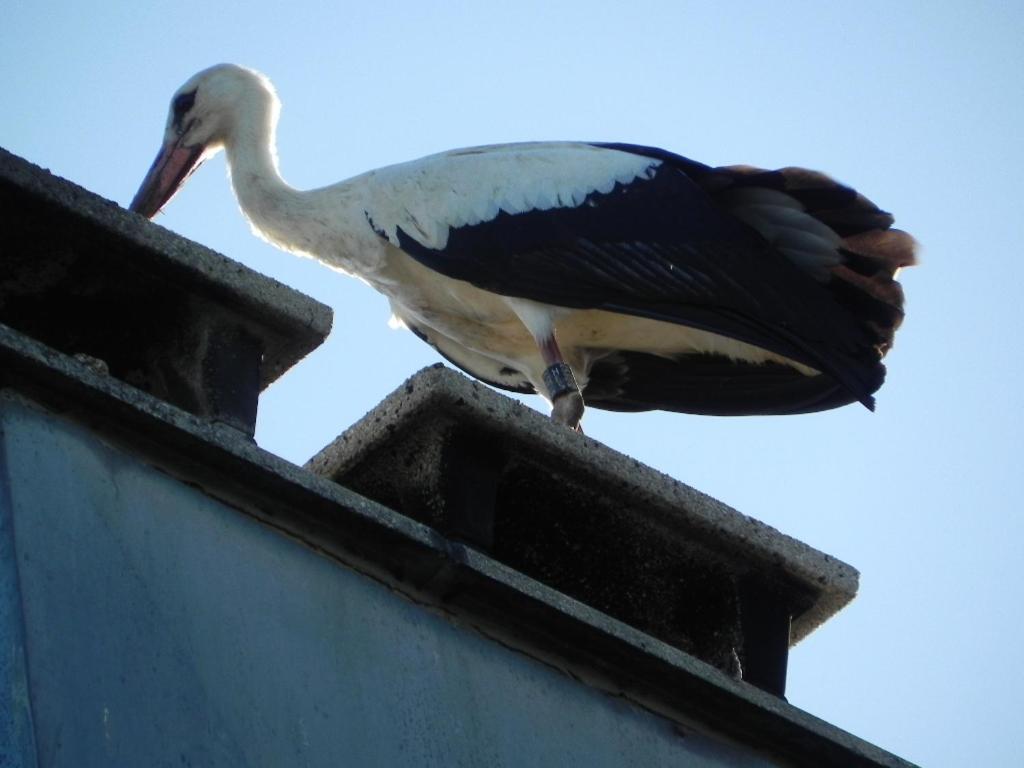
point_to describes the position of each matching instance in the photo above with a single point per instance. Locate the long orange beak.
(173, 165)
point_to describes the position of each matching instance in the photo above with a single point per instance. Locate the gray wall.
(162, 627)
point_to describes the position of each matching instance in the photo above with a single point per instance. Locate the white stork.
(626, 277)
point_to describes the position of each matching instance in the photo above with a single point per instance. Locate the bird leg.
(566, 400)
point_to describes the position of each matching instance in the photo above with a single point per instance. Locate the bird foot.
(568, 409)
(566, 400)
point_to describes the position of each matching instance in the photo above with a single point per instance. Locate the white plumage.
(429, 197)
(662, 283)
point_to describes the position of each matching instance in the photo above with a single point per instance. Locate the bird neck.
(274, 209)
(327, 224)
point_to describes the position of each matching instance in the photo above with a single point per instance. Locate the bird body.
(660, 282)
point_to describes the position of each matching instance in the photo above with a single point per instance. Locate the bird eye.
(183, 103)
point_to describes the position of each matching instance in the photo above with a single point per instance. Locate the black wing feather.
(660, 248)
(708, 384)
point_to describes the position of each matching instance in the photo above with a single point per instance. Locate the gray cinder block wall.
(454, 581)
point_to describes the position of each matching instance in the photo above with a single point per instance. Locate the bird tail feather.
(863, 279)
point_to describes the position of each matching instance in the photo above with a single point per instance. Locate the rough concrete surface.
(161, 312)
(580, 516)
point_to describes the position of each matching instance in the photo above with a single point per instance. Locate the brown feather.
(871, 253)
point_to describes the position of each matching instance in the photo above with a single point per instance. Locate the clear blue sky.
(917, 104)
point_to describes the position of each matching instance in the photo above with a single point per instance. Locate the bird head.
(205, 115)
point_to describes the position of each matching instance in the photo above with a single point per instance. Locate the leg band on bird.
(566, 399)
(559, 380)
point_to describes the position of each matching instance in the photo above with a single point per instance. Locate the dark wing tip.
(713, 385)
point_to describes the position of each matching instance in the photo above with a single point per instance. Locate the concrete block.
(595, 524)
(153, 309)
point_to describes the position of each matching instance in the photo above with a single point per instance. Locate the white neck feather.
(326, 224)
(267, 201)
